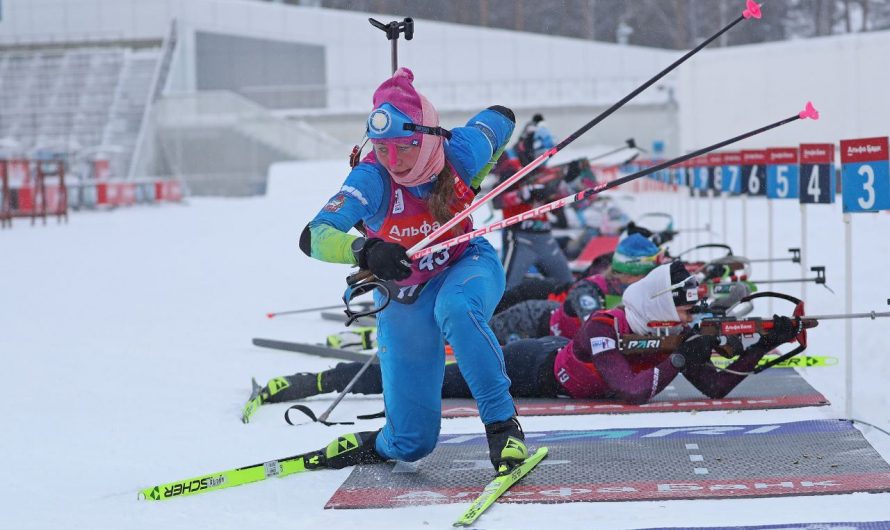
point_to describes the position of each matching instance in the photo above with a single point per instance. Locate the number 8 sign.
(865, 171)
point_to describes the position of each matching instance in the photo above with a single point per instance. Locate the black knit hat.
(537, 118)
(684, 285)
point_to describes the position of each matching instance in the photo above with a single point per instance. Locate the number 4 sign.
(817, 173)
(865, 175)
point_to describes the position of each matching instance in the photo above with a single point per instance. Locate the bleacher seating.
(75, 98)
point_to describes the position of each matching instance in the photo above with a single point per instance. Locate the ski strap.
(308, 412)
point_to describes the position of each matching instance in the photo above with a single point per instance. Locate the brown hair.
(441, 199)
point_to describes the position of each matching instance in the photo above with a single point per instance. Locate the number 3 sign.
(865, 170)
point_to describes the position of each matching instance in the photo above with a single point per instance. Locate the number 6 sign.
(754, 172)
(865, 175)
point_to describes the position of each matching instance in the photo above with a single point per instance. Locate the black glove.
(572, 170)
(713, 270)
(784, 330)
(532, 193)
(633, 228)
(693, 352)
(388, 261)
(583, 299)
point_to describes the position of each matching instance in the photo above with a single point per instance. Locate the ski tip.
(809, 112)
(752, 10)
(270, 315)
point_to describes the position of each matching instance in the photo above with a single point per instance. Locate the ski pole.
(324, 415)
(309, 309)
(809, 112)
(752, 11)
(629, 144)
(298, 311)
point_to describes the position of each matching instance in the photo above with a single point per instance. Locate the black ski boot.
(347, 450)
(506, 445)
(290, 388)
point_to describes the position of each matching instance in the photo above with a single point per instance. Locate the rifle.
(818, 280)
(795, 257)
(731, 329)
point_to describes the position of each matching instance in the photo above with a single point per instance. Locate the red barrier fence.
(38, 189)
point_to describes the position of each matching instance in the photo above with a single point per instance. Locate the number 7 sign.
(865, 175)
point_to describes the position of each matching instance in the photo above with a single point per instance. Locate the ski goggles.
(386, 122)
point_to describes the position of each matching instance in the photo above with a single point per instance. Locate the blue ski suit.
(454, 304)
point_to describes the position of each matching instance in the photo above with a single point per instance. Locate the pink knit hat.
(399, 92)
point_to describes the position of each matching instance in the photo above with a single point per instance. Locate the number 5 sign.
(781, 173)
(865, 180)
(817, 173)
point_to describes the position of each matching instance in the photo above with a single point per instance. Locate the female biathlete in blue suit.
(417, 176)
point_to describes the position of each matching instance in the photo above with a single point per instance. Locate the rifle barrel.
(770, 260)
(790, 280)
(872, 315)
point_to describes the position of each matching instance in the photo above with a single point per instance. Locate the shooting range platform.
(871, 525)
(815, 457)
(776, 388)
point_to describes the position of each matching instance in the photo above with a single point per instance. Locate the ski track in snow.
(126, 347)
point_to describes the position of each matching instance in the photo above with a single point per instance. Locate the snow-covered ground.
(125, 344)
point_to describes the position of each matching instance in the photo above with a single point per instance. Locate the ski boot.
(347, 450)
(290, 388)
(360, 338)
(506, 445)
(278, 389)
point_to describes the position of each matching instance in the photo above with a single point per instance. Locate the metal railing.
(457, 95)
(158, 82)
